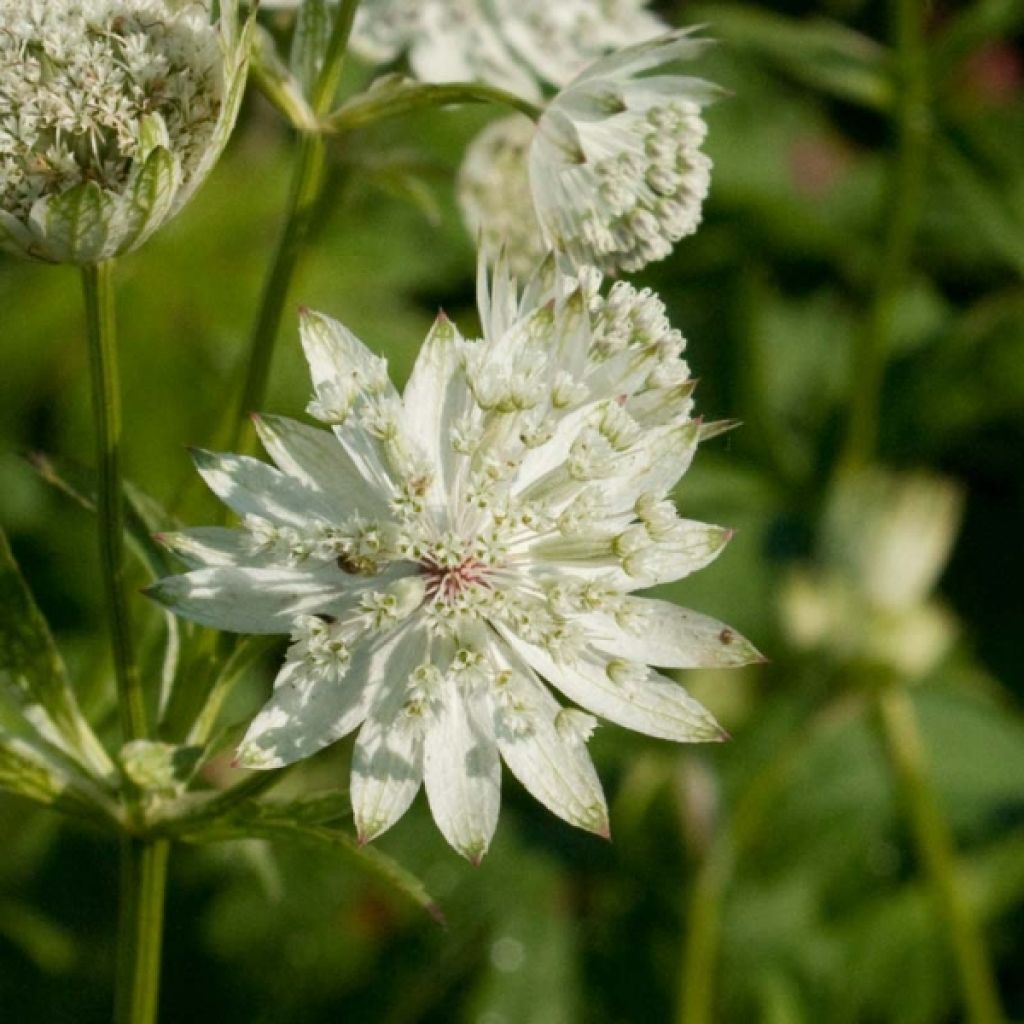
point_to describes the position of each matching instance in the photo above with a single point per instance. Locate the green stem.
(696, 1000)
(140, 929)
(383, 102)
(934, 841)
(904, 207)
(307, 181)
(97, 283)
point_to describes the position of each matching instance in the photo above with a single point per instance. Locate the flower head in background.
(494, 194)
(112, 112)
(448, 559)
(616, 169)
(885, 540)
(518, 45)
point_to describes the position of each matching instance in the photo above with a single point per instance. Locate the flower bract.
(454, 562)
(616, 169)
(112, 112)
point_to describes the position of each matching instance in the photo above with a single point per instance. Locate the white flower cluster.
(111, 112)
(513, 44)
(442, 559)
(885, 541)
(612, 175)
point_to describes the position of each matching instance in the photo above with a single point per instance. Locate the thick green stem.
(140, 929)
(307, 181)
(934, 842)
(913, 124)
(97, 282)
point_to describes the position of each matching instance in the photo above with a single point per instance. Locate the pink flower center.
(445, 582)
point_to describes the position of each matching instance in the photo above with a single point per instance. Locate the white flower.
(513, 44)
(494, 194)
(886, 539)
(615, 168)
(112, 112)
(446, 558)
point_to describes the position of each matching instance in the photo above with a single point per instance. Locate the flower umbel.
(444, 559)
(513, 44)
(111, 114)
(616, 170)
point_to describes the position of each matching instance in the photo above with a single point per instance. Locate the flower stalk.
(140, 929)
(307, 182)
(97, 283)
(934, 841)
(913, 130)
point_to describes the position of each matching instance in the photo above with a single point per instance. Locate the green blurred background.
(792, 836)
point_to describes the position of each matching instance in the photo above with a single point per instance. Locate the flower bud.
(114, 113)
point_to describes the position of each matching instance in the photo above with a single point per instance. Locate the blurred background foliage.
(792, 837)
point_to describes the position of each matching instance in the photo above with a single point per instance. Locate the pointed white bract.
(113, 113)
(616, 169)
(448, 560)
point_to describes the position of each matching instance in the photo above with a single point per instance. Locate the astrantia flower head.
(448, 560)
(885, 541)
(513, 44)
(615, 167)
(111, 114)
(494, 194)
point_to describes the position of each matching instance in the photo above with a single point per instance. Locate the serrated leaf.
(309, 43)
(313, 818)
(32, 672)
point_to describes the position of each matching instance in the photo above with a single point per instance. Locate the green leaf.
(972, 27)
(820, 53)
(313, 818)
(33, 674)
(982, 201)
(309, 43)
(144, 516)
(34, 770)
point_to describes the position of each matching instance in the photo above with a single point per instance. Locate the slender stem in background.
(307, 182)
(903, 746)
(97, 283)
(934, 842)
(696, 1000)
(140, 929)
(378, 104)
(913, 128)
